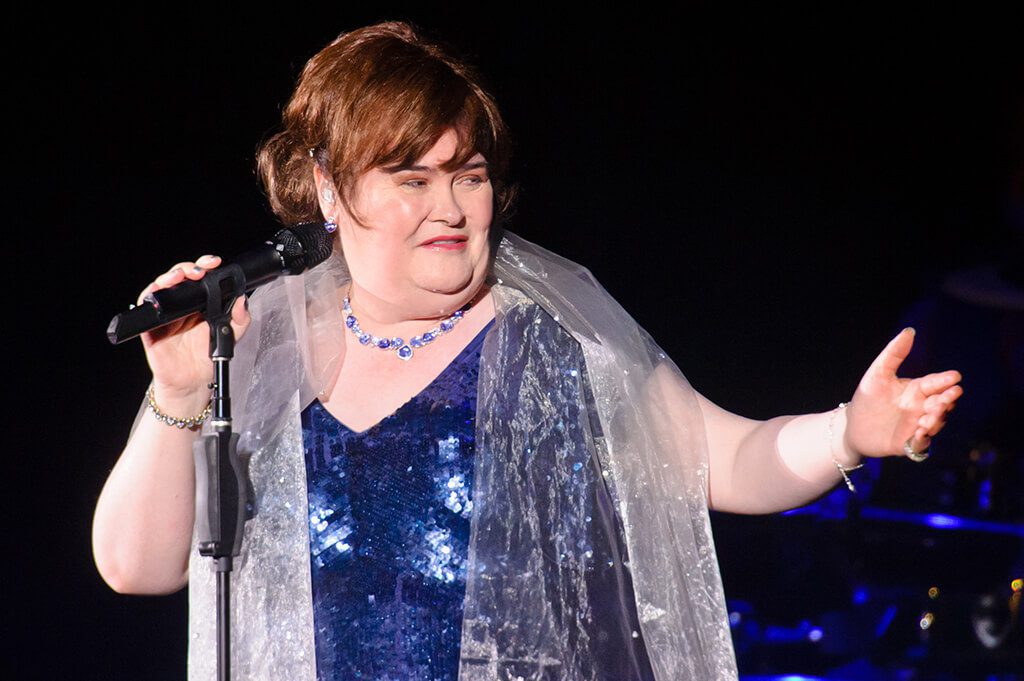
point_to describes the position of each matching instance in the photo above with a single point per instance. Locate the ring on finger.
(912, 454)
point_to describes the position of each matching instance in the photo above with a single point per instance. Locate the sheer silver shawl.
(644, 428)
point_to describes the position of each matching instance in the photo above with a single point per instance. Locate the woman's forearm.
(774, 465)
(142, 529)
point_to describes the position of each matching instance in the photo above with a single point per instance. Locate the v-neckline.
(360, 433)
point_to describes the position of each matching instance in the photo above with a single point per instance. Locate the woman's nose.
(447, 208)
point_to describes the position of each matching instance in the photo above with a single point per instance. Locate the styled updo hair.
(378, 96)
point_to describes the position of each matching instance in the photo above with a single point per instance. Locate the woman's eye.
(473, 180)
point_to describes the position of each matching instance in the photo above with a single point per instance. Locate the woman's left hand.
(887, 411)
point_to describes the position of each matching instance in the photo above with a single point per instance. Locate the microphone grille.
(305, 245)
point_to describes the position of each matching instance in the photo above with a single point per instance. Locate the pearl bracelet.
(191, 423)
(842, 471)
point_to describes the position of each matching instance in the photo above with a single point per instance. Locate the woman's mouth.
(446, 244)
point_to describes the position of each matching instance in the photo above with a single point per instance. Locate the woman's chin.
(448, 285)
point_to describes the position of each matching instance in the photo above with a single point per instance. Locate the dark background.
(766, 194)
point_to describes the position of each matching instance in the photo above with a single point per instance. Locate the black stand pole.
(220, 475)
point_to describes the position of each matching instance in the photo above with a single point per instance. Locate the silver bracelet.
(191, 423)
(831, 430)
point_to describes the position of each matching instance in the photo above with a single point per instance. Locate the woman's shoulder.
(568, 291)
(516, 307)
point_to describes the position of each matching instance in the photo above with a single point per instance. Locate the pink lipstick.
(446, 243)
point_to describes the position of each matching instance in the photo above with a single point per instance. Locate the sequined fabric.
(525, 614)
(550, 542)
(389, 511)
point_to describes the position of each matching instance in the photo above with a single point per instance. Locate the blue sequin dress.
(389, 512)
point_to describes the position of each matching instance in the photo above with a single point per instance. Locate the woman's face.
(423, 241)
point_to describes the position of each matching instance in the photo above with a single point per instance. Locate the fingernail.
(911, 330)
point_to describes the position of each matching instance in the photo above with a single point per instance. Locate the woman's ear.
(326, 193)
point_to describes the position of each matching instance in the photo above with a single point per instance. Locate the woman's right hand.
(179, 353)
(142, 530)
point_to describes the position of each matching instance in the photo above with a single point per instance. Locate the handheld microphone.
(291, 251)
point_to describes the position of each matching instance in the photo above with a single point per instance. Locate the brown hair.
(377, 96)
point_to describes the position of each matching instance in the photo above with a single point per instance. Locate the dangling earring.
(330, 225)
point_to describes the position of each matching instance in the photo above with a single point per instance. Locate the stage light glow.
(927, 619)
(985, 495)
(944, 521)
(782, 677)
(885, 620)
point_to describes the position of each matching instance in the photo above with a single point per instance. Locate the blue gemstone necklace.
(402, 349)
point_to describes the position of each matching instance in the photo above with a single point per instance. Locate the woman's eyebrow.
(469, 165)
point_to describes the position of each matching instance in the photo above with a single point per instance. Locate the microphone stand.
(220, 474)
